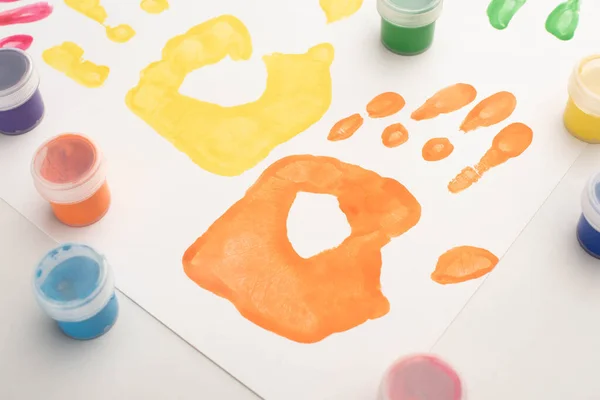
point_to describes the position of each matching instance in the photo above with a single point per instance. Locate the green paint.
(500, 12)
(406, 41)
(563, 20)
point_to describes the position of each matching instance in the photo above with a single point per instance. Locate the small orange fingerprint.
(463, 263)
(490, 111)
(385, 104)
(245, 256)
(509, 143)
(437, 149)
(345, 128)
(447, 100)
(394, 135)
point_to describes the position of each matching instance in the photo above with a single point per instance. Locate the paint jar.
(582, 114)
(588, 228)
(69, 171)
(75, 286)
(21, 105)
(420, 377)
(408, 26)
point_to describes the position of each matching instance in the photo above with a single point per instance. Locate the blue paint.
(75, 286)
(73, 279)
(589, 238)
(93, 327)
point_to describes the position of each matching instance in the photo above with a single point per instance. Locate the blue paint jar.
(588, 228)
(21, 105)
(74, 285)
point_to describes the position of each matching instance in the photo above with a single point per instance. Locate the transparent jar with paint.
(588, 228)
(582, 114)
(21, 104)
(69, 171)
(421, 376)
(75, 286)
(408, 26)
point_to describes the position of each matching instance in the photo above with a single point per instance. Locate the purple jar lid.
(18, 78)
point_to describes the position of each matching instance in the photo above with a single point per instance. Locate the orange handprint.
(511, 142)
(247, 258)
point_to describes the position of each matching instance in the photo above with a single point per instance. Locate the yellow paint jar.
(582, 114)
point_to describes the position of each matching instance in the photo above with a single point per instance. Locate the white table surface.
(531, 331)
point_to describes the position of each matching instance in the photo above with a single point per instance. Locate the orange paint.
(437, 149)
(247, 258)
(394, 135)
(345, 128)
(385, 104)
(463, 263)
(68, 158)
(509, 143)
(447, 100)
(490, 111)
(84, 213)
(70, 173)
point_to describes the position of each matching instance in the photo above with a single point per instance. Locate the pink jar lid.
(421, 377)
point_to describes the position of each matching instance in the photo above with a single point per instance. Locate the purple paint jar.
(21, 105)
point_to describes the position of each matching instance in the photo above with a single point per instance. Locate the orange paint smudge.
(247, 258)
(447, 100)
(345, 128)
(509, 143)
(490, 111)
(437, 149)
(463, 263)
(385, 104)
(394, 135)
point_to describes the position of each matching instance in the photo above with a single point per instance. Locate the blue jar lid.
(590, 201)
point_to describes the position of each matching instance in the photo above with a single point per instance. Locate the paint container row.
(73, 283)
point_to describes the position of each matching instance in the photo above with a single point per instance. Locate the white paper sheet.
(162, 201)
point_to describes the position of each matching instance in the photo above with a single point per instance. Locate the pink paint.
(8, 1)
(22, 42)
(25, 14)
(421, 377)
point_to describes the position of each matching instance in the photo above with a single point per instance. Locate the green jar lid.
(410, 13)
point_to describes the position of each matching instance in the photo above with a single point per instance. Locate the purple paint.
(21, 104)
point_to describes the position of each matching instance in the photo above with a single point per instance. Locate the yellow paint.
(230, 140)
(68, 59)
(581, 125)
(120, 33)
(154, 6)
(94, 10)
(584, 123)
(339, 9)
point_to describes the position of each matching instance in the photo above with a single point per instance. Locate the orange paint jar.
(69, 171)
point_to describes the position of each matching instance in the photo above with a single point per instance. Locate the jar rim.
(18, 94)
(77, 309)
(416, 358)
(409, 18)
(590, 201)
(69, 192)
(585, 98)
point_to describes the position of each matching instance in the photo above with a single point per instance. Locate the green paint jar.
(408, 26)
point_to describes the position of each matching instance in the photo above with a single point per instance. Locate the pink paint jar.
(421, 377)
